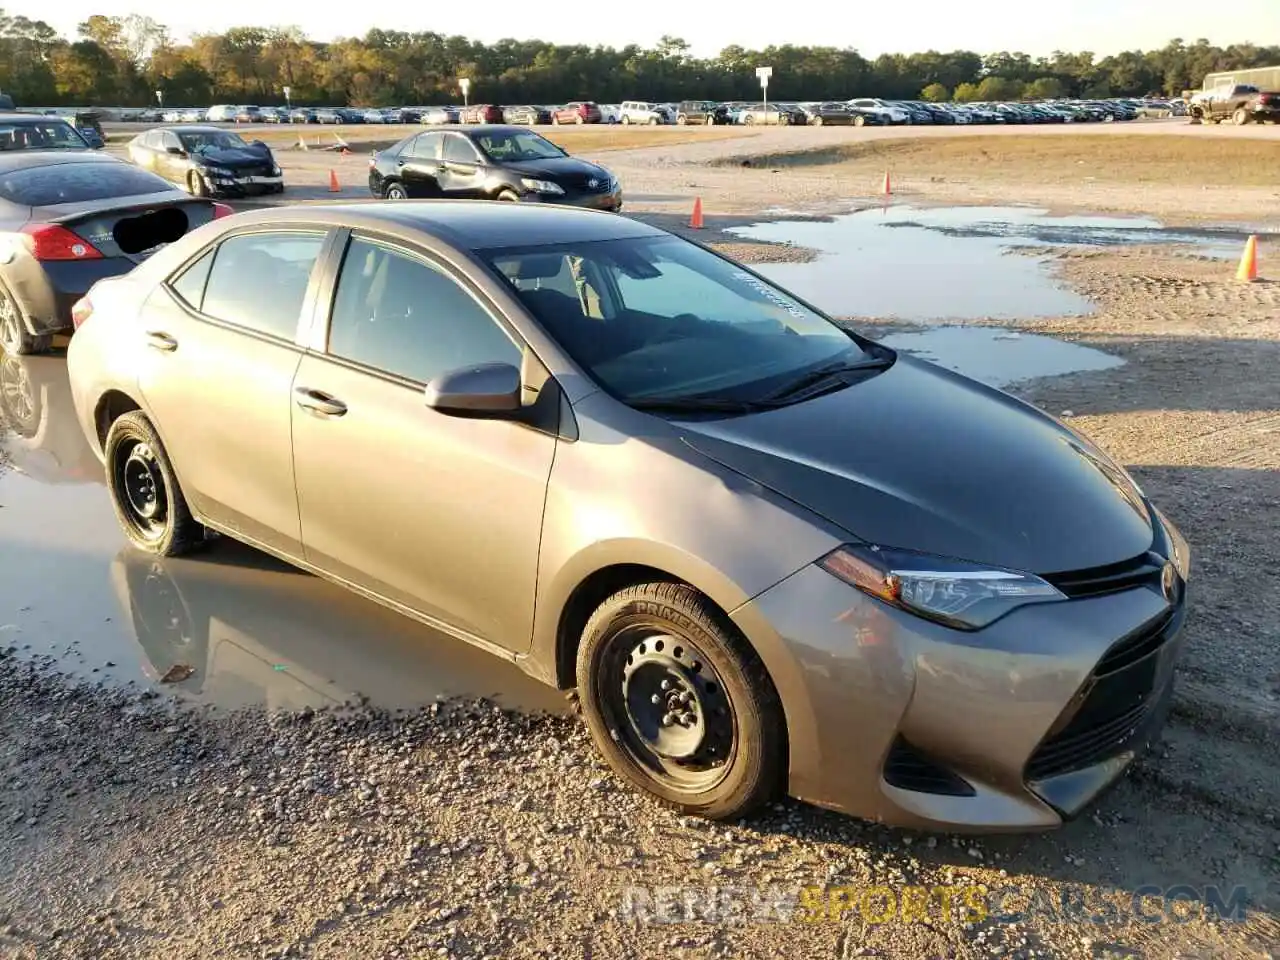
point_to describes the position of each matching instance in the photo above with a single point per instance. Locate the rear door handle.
(161, 341)
(318, 402)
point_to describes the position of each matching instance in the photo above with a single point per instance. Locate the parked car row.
(859, 111)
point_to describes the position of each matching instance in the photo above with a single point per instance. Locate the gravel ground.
(135, 826)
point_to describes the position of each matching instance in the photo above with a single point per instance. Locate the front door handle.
(161, 341)
(318, 402)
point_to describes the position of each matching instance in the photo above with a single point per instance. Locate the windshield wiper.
(832, 372)
(698, 404)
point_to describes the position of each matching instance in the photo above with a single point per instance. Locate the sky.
(985, 26)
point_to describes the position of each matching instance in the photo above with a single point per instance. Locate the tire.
(654, 121)
(625, 121)
(196, 185)
(749, 120)
(579, 119)
(1240, 117)
(671, 650)
(20, 406)
(145, 493)
(859, 121)
(508, 196)
(395, 191)
(15, 338)
(682, 120)
(817, 121)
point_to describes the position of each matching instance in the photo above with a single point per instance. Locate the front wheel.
(859, 121)
(1240, 117)
(508, 196)
(817, 121)
(396, 191)
(145, 493)
(196, 185)
(679, 704)
(682, 120)
(579, 119)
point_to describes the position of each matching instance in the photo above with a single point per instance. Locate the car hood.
(555, 167)
(920, 458)
(234, 156)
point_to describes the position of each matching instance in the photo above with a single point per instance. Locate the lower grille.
(908, 769)
(1122, 692)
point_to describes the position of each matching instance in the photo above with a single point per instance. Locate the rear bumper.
(1016, 727)
(47, 291)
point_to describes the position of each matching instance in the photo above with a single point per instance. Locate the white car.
(610, 112)
(221, 113)
(890, 113)
(642, 111)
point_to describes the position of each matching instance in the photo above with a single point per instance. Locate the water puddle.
(1000, 357)
(251, 630)
(938, 264)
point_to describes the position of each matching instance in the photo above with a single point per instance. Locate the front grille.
(1140, 571)
(908, 769)
(1120, 694)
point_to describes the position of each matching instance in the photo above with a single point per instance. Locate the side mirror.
(176, 151)
(489, 388)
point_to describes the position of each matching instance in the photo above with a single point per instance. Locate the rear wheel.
(145, 493)
(579, 119)
(817, 121)
(679, 704)
(682, 120)
(15, 338)
(1240, 117)
(654, 121)
(859, 121)
(626, 120)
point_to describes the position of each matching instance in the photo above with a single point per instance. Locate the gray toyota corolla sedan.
(770, 555)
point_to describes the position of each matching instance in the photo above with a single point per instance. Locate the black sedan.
(69, 219)
(208, 161)
(490, 163)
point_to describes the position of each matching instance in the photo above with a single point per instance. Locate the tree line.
(123, 61)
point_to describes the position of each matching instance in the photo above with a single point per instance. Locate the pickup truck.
(1240, 104)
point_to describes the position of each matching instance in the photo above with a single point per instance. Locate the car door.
(462, 175)
(419, 165)
(216, 374)
(442, 515)
(172, 166)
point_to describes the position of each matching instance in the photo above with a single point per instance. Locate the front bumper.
(611, 201)
(243, 186)
(1015, 727)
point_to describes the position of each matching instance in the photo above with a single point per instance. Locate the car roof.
(189, 128)
(466, 224)
(11, 117)
(13, 160)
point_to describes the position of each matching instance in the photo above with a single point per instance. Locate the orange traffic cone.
(1248, 271)
(333, 182)
(695, 222)
(888, 188)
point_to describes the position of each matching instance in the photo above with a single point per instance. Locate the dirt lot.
(132, 827)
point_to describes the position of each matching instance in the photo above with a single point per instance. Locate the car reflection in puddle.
(42, 438)
(258, 632)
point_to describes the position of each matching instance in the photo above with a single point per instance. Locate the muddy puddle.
(249, 630)
(950, 263)
(1000, 357)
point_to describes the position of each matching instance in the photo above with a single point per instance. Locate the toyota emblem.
(593, 183)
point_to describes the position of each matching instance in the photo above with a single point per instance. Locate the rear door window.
(259, 280)
(78, 183)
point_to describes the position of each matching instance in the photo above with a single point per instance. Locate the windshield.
(196, 141)
(523, 145)
(658, 317)
(40, 135)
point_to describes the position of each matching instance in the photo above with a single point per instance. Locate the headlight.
(275, 170)
(967, 596)
(1179, 549)
(541, 186)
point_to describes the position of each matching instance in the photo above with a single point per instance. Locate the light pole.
(764, 73)
(464, 84)
(288, 102)
(160, 98)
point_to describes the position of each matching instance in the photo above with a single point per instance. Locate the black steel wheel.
(678, 702)
(145, 493)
